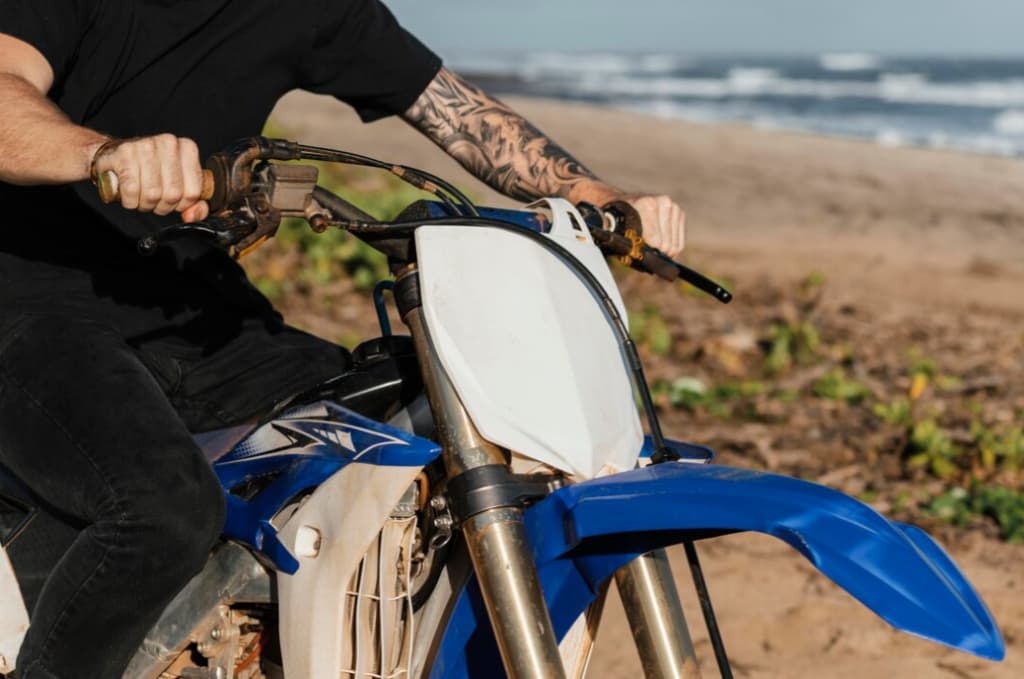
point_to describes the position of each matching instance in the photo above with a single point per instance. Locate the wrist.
(89, 151)
(594, 192)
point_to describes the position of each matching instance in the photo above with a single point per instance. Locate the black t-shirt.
(210, 70)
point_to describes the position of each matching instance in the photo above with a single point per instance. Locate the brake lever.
(239, 230)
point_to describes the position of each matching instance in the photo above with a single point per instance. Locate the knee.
(176, 525)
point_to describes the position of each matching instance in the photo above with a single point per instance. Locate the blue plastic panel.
(318, 447)
(581, 534)
(687, 452)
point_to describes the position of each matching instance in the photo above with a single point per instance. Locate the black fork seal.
(493, 486)
(407, 293)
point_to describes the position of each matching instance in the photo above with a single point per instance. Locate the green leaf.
(659, 337)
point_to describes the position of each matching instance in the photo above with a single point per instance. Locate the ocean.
(974, 105)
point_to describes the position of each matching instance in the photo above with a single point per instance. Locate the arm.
(510, 154)
(40, 145)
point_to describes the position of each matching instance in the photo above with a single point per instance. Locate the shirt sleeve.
(54, 27)
(363, 57)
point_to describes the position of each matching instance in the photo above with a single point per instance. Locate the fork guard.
(582, 534)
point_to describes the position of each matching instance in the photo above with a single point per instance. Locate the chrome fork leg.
(515, 604)
(656, 618)
(496, 538)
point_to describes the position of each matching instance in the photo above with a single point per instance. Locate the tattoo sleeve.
(494, 142)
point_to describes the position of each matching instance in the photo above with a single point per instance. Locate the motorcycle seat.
(384, 376)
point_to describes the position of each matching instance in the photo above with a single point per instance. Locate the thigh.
(83, 423)
(262, 366)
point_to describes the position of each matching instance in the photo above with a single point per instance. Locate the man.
(109, 361)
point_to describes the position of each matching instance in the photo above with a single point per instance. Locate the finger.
(674, 227)
(192, 175)
(119, 160)
(682, 231)
(149, 174)
(126, 165)
(665, 224)
(196, 213)
(172, 183)
(651, 231)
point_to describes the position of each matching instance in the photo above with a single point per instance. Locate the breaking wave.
(1009, 123)
(846, 62)
(975, 105)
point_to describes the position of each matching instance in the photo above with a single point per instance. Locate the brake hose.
(421, 179)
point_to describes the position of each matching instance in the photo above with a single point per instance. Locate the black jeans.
(101, 432)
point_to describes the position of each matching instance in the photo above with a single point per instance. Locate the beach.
(922, 250)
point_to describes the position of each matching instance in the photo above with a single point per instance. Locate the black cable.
(336, 156)
(709, 612)
(453, 209)
(323, 153)
(470, 208)
(339, 206)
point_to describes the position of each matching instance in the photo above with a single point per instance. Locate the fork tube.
(508, 579)
(496, 538)
(655, 616)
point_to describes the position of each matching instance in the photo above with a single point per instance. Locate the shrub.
(835, 385)
(1004, 506)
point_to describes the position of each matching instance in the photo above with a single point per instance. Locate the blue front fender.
(583, 533)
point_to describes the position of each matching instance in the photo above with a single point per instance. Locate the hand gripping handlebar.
(227, 175)
(616, 229)
(109, 188)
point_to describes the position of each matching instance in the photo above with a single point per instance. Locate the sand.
(899, 232)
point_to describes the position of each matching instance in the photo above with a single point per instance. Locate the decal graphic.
(296, 437)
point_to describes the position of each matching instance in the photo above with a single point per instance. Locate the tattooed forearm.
(494, 142)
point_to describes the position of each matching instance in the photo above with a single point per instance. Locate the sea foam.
(1010, 123)
(845, 62)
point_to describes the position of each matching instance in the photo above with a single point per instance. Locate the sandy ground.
(780, 618)
(898, 232)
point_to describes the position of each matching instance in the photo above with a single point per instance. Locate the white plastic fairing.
(13, 616)
(347, 512)
(528, 346)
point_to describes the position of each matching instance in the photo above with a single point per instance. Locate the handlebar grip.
(629, 227)
(624, 242)
(107, 186)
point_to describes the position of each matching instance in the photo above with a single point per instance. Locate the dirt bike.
(459, 502)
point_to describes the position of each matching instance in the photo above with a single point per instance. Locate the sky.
(920, 27)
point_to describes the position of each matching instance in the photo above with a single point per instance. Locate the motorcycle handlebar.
(616, 229)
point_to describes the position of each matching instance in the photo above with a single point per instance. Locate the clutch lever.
(225, 230)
